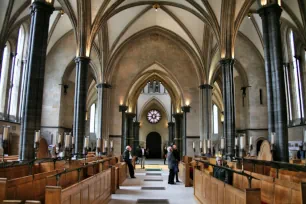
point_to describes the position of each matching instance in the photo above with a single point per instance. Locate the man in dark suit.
(127, 156)
(171, 165)
(176, 155)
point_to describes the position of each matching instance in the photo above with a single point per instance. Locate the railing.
(79, 169)
(249, 177)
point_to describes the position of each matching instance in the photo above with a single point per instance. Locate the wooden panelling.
(208, 190)
(95, 189)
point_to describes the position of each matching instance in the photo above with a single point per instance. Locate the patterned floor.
(151, 186)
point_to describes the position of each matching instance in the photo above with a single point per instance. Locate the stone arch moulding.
(151, 101)
(169, 35)
(157, 72)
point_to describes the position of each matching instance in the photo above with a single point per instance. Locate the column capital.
(82, 59)
(170, 123)
(42, 5)
(186, 109)
(136, 123)
(273, 7)
(130, 115)
(104, 85)
(123, 108)
(227, 61)
(206, 86)
(177, 115)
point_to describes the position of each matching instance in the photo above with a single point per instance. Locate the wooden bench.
(95, 189)
(9, 158)
(25, 188)
(208, 189)
(184, 171)
(273, 191)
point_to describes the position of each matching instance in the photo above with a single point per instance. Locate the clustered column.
(205, 112)
(123, 109)
(130, 130)
(227, 66)
(185, 109)
(277, 112)
(80, 96)
(136, 126)
(31, 113)
(178, 131)
(171, 132)
(101, 108)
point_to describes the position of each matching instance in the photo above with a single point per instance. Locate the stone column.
(185, 109)
(136, 126)
(130, 130)
(123, 109)
(227, 66)
(205, 111)
(80, 96)
(171, 132)
(31, 114)
(277, 112)
(178, 131)
(100, 112)
(10, 85)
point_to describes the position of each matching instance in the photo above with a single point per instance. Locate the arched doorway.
(259, 142)
(154, 145)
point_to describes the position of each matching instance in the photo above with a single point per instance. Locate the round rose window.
(154, 116)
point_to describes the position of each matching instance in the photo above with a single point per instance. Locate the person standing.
(220, 173)
(127, 156)
(165, 154)
(301, 153)
(142, 157)
(176, 155)
(171, 165)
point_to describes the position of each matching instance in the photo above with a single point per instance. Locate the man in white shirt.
(142, 157)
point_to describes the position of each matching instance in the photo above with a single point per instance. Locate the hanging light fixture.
(156, 6)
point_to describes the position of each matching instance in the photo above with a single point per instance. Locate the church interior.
(211, 91)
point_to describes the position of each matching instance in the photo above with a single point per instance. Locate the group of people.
(173, 157)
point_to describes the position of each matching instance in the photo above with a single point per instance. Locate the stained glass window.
(154, 116)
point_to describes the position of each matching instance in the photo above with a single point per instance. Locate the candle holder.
(36, 147)
(85, 151)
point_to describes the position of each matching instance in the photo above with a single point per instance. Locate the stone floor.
(130, 192)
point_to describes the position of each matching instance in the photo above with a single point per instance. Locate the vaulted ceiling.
(198, 22)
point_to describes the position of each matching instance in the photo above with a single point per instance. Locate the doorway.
(154, 145)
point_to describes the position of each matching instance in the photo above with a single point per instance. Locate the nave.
(155, 176)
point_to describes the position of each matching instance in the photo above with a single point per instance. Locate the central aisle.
(131, 191)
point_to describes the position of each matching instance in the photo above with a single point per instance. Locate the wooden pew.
(184, 171)
(25, 188)
(95, 189)
(208, 189)
(122, 172)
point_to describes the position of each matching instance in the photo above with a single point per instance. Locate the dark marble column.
(178, 131)
(206, 111)
(185, 109)
(123, 109)
(101, 108)
(31, 114)
(80, 96)
(277, 110)
(130, 130)
(136, 126)
(171, 132)
(227, 66)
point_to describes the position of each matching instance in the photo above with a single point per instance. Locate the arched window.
(296, 84)
(92, 118)
(4, 78)
(16, 76)
(215, 116)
